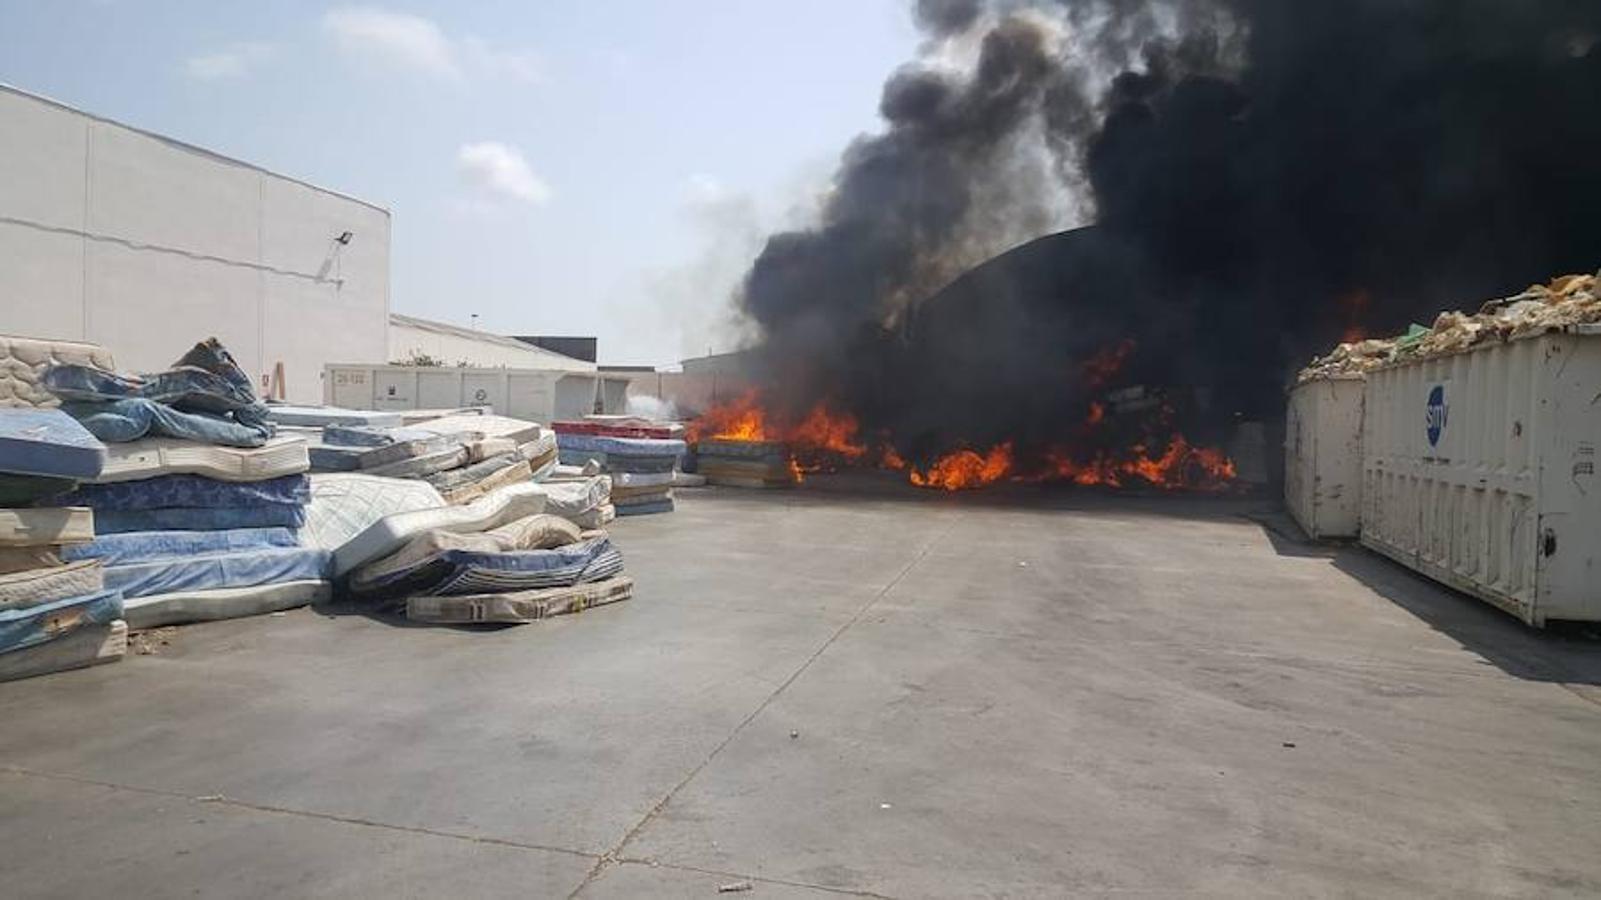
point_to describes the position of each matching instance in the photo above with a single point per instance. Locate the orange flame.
(740, 419)
(823, 431)
(1101, 368)
(965, 469)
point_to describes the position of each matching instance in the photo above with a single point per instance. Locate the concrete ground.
(834, 693)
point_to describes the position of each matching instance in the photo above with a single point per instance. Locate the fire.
(1101, 368)
(825, 432)
(741, 419)
(965, 469)
(1179, 466)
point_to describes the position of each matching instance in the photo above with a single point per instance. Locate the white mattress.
(344, 504)
(150, 457)
(519, 606)
(390, 533)
(484, 448)
(626, 480)
(223, 603)
(81, 647)
(598, 517)
(490, 426)
(23, 360)
(38, 527)
(54, 583)
(318, 416)
(572, 498)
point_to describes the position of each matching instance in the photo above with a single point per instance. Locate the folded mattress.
(612, 446)
(392, 532)
(322, 416)
(537, 532)
(488, 426)
(475, 572)
(23, 362)
(28, 626)
(191, 518)
(518, 606)
(44, 526)
(145, 546)
(46, 585)
(48, 442)
(649, 508)
(344, 505)
(219, 570)
(190, 492)
(90, 645)
(570, 498)
(153, 457)
(182, 607)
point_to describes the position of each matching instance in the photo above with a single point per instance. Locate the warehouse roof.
(555, 360)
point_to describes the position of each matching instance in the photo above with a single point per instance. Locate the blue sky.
(582, 168)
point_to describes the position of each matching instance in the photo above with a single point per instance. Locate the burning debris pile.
(1565, 301)
(1262, 177)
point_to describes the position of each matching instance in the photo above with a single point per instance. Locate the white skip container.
(1323, 456)
(1479, 470)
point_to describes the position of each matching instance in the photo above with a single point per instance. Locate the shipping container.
(1323, 456)
(538, 395)
(1479, 471)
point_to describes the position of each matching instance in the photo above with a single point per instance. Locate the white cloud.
(499, 170)
(414, 42)
(232, 61)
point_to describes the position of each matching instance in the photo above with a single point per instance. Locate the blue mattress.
(645, 509)
(194, 491)
(328, 458)
(370, 436)
(208, 571)
(48, 442)
(477, 572)
(613, 446)
(144, 546)
(33, 625)
(189, 518)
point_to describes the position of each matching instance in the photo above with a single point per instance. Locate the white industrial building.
(145, 244)
(411, 338)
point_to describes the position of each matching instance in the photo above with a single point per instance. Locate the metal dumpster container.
(1323, 456)
(1478, 470)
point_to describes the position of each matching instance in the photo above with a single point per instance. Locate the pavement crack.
(614, 855)
(233, 802)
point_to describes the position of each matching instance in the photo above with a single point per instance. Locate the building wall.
(147, 245)
(452, 346)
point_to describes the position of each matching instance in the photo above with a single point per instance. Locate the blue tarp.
(189, 518)
(144, 546)
(219, 570)
(48, 442)
(27, 627)
(169, 491)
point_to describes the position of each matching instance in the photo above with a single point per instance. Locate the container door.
(352, 388)
(394, 389)
(484, 389)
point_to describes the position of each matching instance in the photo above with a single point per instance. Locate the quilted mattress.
(23, 361)
(152, 457)
(344, 505)
(21, 589)
(191, 518)
(190, 491)
(38, 527)
(518, 606)
(21, 559)
(28, 626)
(392, 532)
(180, 607)
(90, 645)
(48, 442)
(489, 426)
(145, 546)
(219, 570)
(477, 572)
(321, 416)
(612, 446)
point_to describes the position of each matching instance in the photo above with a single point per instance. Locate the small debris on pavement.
(883, 806)
(737, 887)
(793, 735)
(1289, 745)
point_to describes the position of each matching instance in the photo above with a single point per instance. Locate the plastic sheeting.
(48, 442)
(219, 570)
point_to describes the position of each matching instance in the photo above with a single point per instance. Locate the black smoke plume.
(1257, 177)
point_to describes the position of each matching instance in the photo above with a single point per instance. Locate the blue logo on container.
(1436, 414)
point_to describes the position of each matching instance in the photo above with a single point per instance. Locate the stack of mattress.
(463, 457)
(755, 464)
(642, 469)
(528, 568)
(192, 532)
(55, 614)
